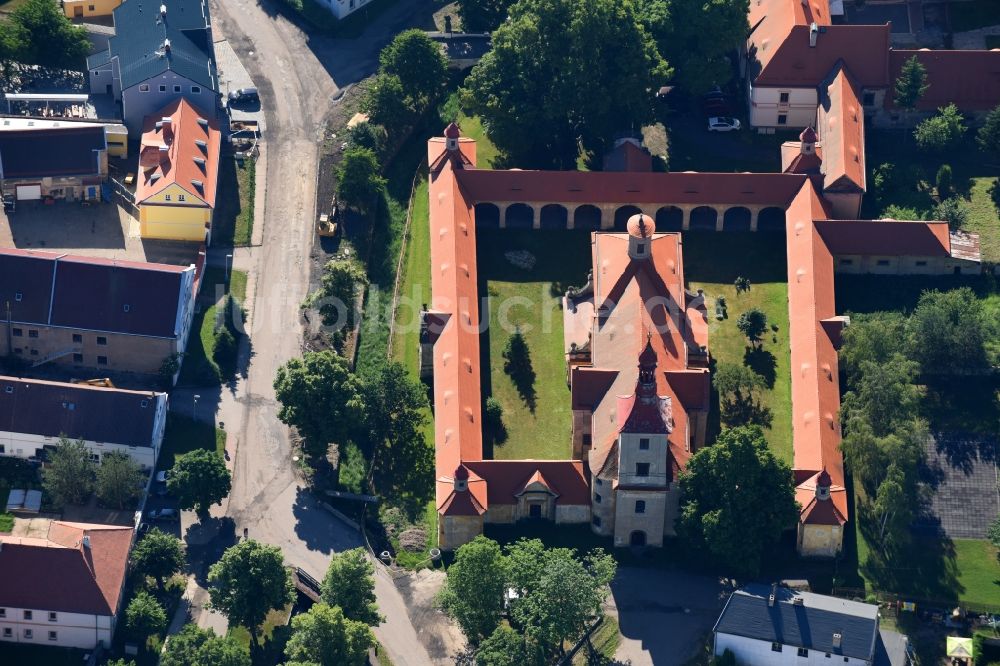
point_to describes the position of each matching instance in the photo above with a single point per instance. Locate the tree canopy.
(248, 582)
(477, 584)
(320, 397)
(324, 636)
(418, 63)
(950, 330)
(119, 479)
(988, 135)
(506, 647)
(350, 584)
(38, 33)
(740, 390)
(563, 73)
(159, 555)
(752, 324)
(144, 615)
(384, 100)
(193, 646)
(336, 296)
(737, 498)
(359, 179)
(199, 479)
(942, 131)
(911, 84)
(482, 15)
(68, 477)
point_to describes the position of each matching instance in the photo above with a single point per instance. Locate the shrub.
(894, 212)
(952, 211)
(941, 132)
(224, 351)
(944, 181)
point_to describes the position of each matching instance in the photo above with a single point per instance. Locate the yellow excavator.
(105, 382)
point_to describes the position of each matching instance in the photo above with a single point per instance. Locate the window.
(181, 197)
(90, 7)
(644, 444)
(126, 307)
(18, 296)
(882, 262)
(597, 521)
(642, 469)
(783, 98)
(52, 616)
(177, 89)
(640, 248)
(3, 450)
(803, 652)
(640, 506)
(3, 612)
(921, 263)
(53, 636)
(782, 119)
(28, 633)
(143, 87)
(78, 358)
(32, 333)
(95, 458)
(101, 340)
(7, 633)
(868, 99)
(102, 360)
(196, 90)
(597, 498)
(846, 262)
(77, 337)
(34, 352)
(166, 197)
(775, 647)
(163, 88)
(27, 615)
(18, 333)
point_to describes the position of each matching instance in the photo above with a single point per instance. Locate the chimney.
(838, 639)
(813, 34)
(86, 541)
(770, 598)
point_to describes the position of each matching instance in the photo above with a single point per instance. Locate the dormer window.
(640, 248)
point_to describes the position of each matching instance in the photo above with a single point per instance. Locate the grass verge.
(605, 642)
(6, 521)
(200, 368)
(415, 283)
(185, 434)
(246, 178)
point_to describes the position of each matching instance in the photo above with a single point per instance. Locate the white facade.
(343, 8)
(43, 627)
(753, 652)
(793, 108)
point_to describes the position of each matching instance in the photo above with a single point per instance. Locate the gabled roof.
(72, 291)
(885, 237)
(60, 573)
(506, 479)
(811, 623)
(140, 33)
(815, 511)
(842, 130)
(628, 155)
(51, 152)
(793, 63)
(771, 21)
(970, 79)
(192, 142)
(78, 411)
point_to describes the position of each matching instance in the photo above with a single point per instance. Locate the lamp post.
(229, 262)
(194, 409)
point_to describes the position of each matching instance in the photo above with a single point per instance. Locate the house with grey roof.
(763, 625)
(162, 50)
(35, 414)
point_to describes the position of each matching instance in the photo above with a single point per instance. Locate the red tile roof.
(842, 129)
(771, 21)
(885, 237)
(59, 573)
(506, 479)
(970, 79)
(864, 49)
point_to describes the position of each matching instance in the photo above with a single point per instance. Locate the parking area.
(234, 76)
(963, 475)
(98, 230)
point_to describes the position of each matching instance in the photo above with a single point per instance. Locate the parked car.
(243, 95)
(162, 476)
(723, 124)
(166, 515)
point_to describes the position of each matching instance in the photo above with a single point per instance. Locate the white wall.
(751, 652)
(23, 445)
(766, 106)
(72, 629)
(656, 456)
(342, 8)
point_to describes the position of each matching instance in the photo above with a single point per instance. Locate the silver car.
(723, 124)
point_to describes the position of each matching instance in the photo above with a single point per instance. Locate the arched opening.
(637, 539)
(703, 218)
(520, 216)
(669, 218)
(771, 219)
(553, 216)
(487, 216)
(736, 219)
(587, 217)
(622, 215)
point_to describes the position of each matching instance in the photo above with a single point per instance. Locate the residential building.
(161, 52)
(64, 586)
(77, 9)
(341, 9)
(763, 625)
(35, 414)
(68, 161)
(179, 170)
(89, 314)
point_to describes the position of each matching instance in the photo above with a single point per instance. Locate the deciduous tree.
(119, 479)
(739, 389)
(941, 132)
(384, 100)
(419, 64)
(145, 616)
(953, 211)
(752, 324)
(69, 476)
(248, 582)
(350, 584)
(701, 64)
(950, 330)
(324, 636)
(482, 15)
(911, 84)
(47, 37)
(159, 555)
(199, 479)
(737, 500)
(342, 279)
(193, 646)
(883, 394)
(474, 593)
(988, 136)
(359, 179)
(506, 647)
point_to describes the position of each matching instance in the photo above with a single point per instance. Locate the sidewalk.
(192, 605)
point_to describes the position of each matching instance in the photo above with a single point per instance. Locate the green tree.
(321, 398)
(911, 84)
(740, 389)
(145, 616)
(120, 662)
(474, 593)
(224, 351)
(897, 212)
(323, 635)
(367, 135)
(337, 295)
(395, 414)
(952, 211)
(420, 65)
(737, 500)
(159, 555)
(11, 44)
(883, 394)
(493, 425)
(199, 479)
(869, 456)
(384, 100)
(950, 330)
(700, 64)
(359, 180)
(944, 181)
(752, 324)
(988, 136)
(505, 647)
(994, 532)
(193, 646)
(350, 584)
(941, 132)
(68, 478)
(119, 479)
(482, 15)
(563, 73)
(875, 337)
(248, 582)
(47, 37)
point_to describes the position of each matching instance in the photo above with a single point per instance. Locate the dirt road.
(299, 77)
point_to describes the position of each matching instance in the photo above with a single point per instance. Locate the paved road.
(299, 76)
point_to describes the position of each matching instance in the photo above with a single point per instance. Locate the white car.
(169, 515)
(723, 124)
(161, 477)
